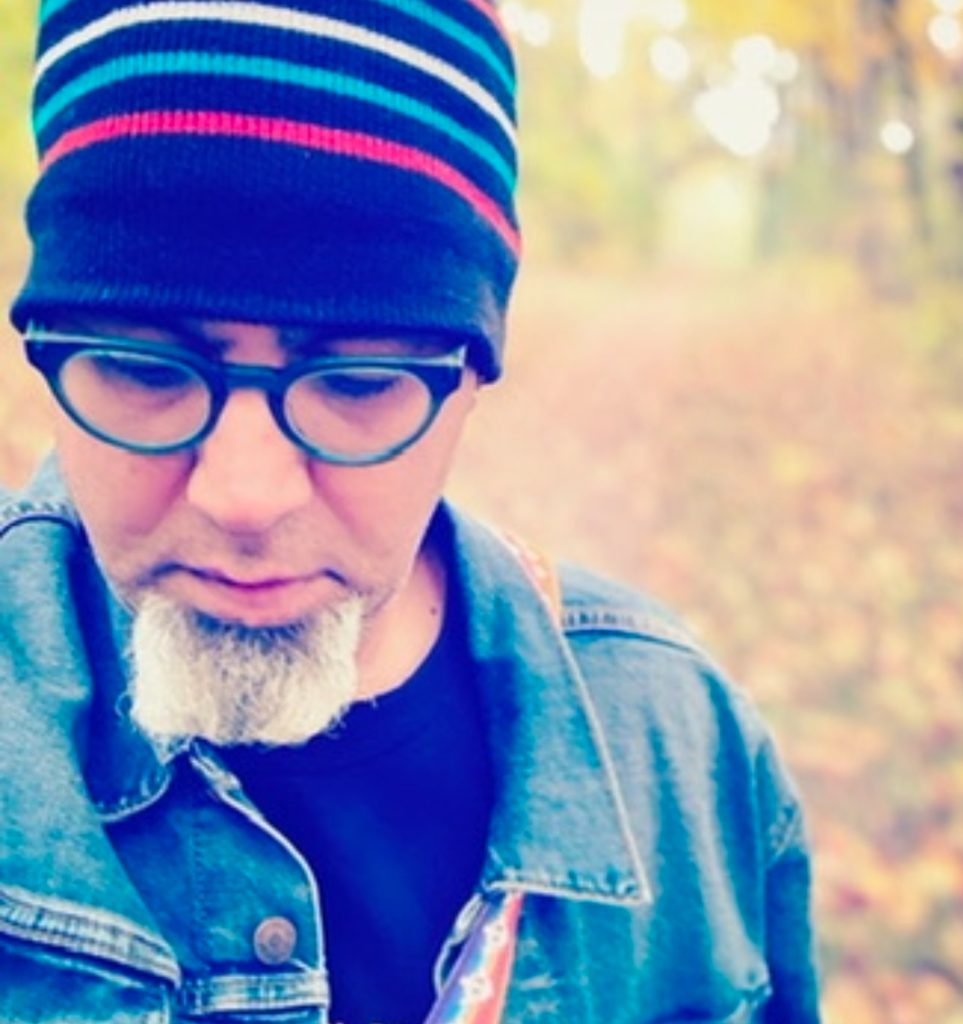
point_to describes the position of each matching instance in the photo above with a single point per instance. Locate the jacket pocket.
(40, 985)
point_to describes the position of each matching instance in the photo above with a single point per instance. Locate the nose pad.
(247, 475)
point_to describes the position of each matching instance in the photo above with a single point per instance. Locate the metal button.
(274, 940)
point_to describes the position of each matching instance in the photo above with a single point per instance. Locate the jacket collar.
(559, 826)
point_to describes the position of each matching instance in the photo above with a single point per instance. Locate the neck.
(404, 630)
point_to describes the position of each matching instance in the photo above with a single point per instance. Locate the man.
(285, 737)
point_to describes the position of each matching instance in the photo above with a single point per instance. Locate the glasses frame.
(49, 352)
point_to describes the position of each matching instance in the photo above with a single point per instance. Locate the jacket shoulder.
(43, 500)
(592, 603)
(627, 641)
(654, 687)
(39, 534)
(711, 808)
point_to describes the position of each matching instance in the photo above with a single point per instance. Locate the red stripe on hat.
(295, 133)
(486, 8)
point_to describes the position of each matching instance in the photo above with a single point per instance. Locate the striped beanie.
(345, 164)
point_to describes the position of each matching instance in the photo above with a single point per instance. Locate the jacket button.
(274, 940)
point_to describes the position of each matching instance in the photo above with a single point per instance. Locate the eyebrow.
(303, 342)
(192, 335)
(297, 342)
(187, 333)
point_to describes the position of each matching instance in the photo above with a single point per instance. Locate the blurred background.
(735, 378)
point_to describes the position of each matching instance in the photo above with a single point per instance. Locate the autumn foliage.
(737, 383)
(775, 455)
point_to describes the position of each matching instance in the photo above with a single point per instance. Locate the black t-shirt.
(391, 810)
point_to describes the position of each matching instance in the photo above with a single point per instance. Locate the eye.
(129, 370)
(358, 385)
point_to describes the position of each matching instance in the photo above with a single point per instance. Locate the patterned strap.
(540, 570)
(477, 987)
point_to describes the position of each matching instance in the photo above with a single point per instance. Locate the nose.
(247, 475)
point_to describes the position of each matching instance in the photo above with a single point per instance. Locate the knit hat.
(347, 164)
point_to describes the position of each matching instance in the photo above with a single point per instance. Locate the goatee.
(199, 677)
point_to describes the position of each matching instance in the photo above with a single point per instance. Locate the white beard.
(198, 677)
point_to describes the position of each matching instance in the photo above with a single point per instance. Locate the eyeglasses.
(145, 396)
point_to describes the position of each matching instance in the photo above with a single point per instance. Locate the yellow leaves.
(944, 630)
(839, 750)
(891, 997)
(792, 24)
(922, 887)
(794, 464)
(863, 887)
(937, 874)
(846, 1000)
(950, 946)
(829, 29)
(780, 467)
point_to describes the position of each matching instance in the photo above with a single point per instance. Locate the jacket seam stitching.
(154, 963)
(783, 831)
(22, 514)
(627, 623)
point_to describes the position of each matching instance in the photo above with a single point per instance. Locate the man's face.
(247, 528)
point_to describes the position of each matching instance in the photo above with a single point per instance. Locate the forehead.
(227, 339)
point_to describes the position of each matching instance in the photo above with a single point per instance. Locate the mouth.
(253, 585)
(266, 600)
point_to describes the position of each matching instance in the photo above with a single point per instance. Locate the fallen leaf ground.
(780, 457)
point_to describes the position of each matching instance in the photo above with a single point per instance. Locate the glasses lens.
(136, 398)
(357, 412)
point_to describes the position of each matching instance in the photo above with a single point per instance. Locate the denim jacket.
(641, 808)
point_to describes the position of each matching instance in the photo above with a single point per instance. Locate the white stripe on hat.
(280, 18)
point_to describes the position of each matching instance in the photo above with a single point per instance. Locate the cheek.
(386, 507)
(382, 509)
(120, 496)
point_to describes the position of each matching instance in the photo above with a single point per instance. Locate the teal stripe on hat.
(454, 30)
(48, 8)
(267, 69)
(167, 15)
(415, 9)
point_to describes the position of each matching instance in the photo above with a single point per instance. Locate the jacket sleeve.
(790, 942)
